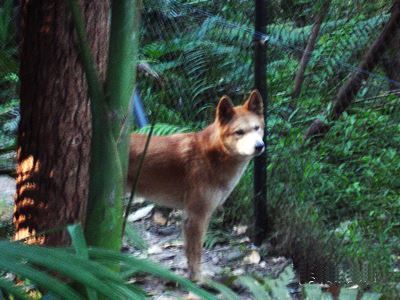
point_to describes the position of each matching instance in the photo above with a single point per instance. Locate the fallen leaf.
(253, 258)
(139, 200)
(192, 296)
(173, 244)
(159, 219)
(245, 239)
(141, 213)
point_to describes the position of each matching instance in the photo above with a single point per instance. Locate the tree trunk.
(55, 130)
(260, 162)
(350, 89)
(298, 81)
(391, 63)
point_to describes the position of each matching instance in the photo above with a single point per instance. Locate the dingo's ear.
(255, 103)
(225, 110)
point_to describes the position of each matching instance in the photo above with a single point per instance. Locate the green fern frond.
(164, 129)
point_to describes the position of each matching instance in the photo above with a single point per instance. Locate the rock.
(233, 254)
(141, 213)
(167, 230)
(215, 260)
(162, 297)
(278, 260)
(7, 189)
(253, 258)
(155, 249)
(238, 272)
(210, 270)
(240, 229)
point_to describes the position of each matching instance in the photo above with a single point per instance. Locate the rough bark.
(298, 81)
(351, 87)
(55, 129)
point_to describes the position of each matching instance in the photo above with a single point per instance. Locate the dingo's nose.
(259, 147)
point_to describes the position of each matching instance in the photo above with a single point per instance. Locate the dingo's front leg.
(195, 227)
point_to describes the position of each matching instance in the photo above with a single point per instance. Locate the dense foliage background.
(334, 206)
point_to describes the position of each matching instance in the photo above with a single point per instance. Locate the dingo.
(197, 171)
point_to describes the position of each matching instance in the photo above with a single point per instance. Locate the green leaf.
(78, 240)
(9, 263)
(83, 271)
(278, 286)
(313, 291)
(348, 294)
(371, 296)
(254, 287)
(12, 289)
(224, 290)
(8, 65)
(148, 267)
(135, 238)
(79, 244)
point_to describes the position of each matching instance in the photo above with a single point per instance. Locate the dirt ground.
(221, 263)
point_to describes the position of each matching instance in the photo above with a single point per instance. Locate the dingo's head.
(242, 127)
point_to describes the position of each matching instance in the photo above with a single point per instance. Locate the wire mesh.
(200, 50)
(203, 50)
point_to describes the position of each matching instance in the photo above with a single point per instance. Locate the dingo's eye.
(256, 128)
(239, 132)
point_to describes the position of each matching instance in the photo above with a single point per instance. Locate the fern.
(6, 24)
(163, 129)
(201, 56)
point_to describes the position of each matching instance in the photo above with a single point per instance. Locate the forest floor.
(222, 262)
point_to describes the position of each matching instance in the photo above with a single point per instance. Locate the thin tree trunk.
(298, 81)
(350, 89)
(55, 130)
(391, 63)
(109, 123)
(260, 162)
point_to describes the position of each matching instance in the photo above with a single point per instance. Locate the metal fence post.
(260, 162)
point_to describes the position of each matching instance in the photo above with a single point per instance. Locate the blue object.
(139, 114)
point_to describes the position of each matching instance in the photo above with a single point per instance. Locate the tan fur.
(197, 171)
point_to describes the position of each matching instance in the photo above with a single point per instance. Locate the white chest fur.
(227, 189)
